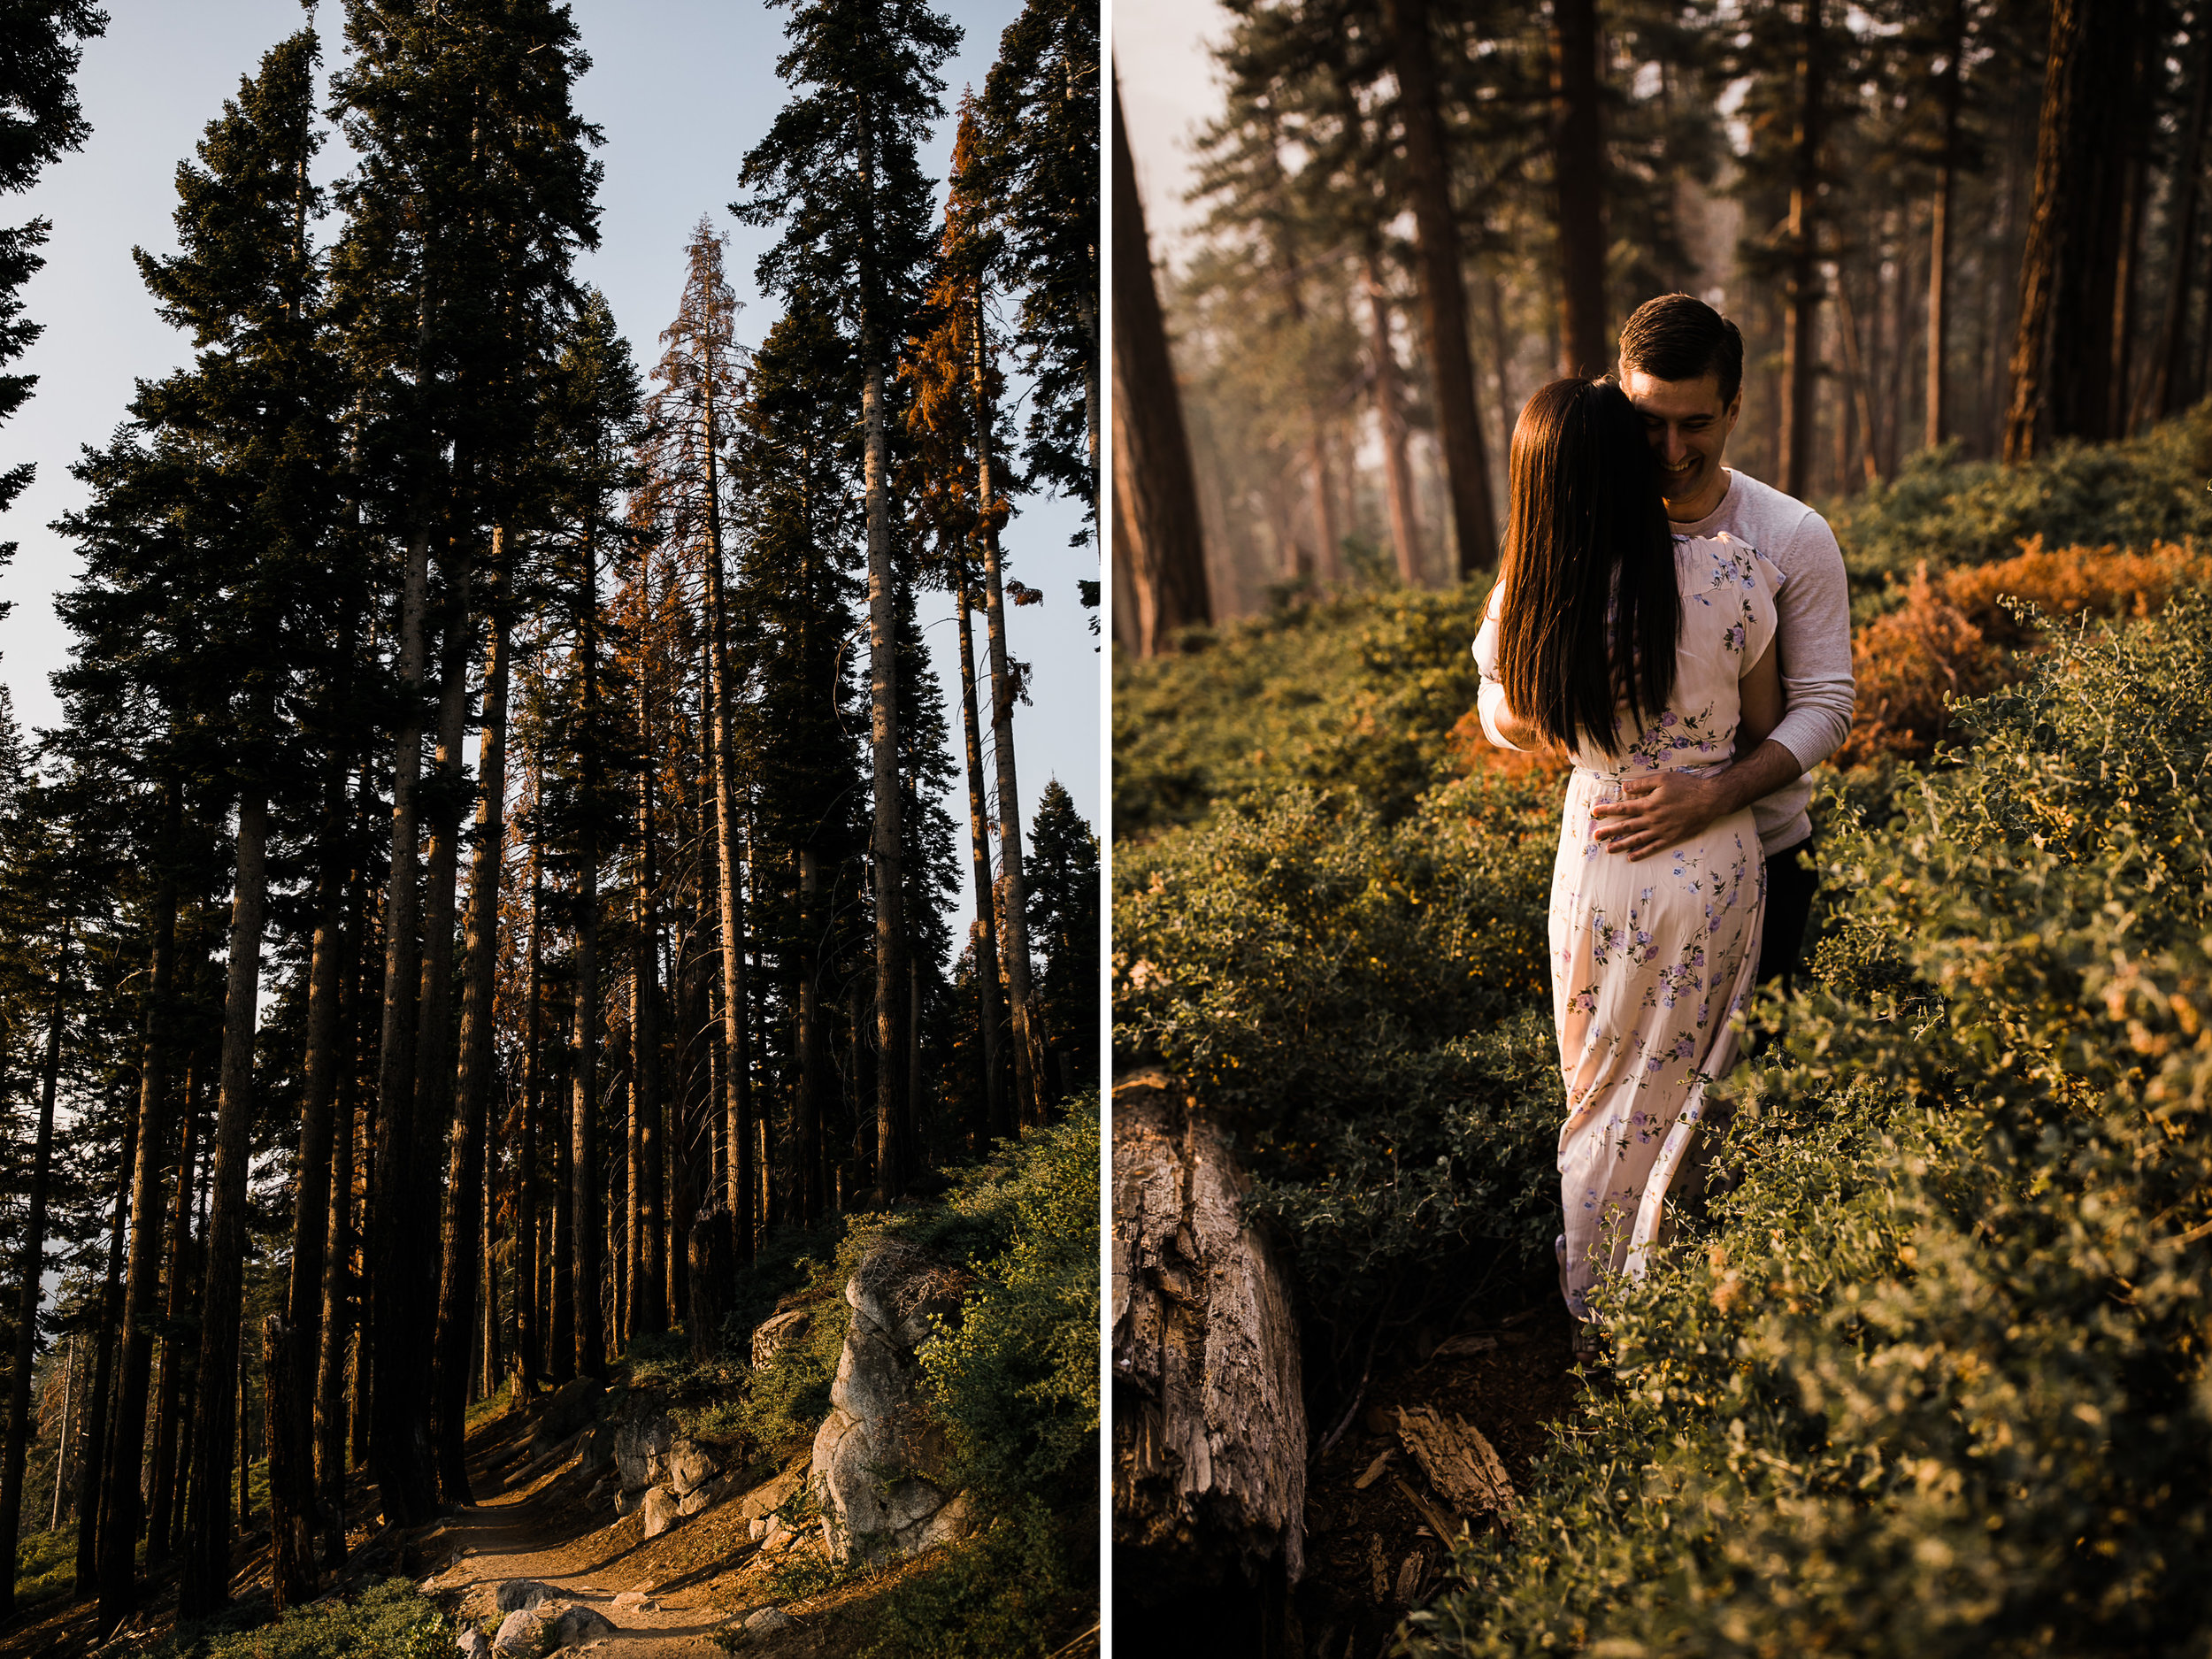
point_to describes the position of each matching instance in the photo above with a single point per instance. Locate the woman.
(1634, 651)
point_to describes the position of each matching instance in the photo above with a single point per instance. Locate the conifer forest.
(1963, 227)
(502, 870)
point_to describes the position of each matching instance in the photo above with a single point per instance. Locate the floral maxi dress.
(1650, 959)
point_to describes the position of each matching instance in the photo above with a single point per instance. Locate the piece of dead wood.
(1439, 1523)
(1459, 1463)
(1375, 1469)
(1467, 1342)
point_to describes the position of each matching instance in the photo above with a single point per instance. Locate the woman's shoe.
(1587, 1346)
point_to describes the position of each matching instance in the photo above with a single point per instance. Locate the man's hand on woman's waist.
(1669, 808)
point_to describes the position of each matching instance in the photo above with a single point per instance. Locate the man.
(1681, 364)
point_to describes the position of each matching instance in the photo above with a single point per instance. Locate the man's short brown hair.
(1679, 337)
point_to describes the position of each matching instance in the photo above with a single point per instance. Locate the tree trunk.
(168, 1396)
(30, 1269)
(394, 1217)
(1405, 533)
(1029, 1053)
(587, 1229)
(889, 872)
(648, 1295)
(461, 1224)
(1578, 180)
(738, 1200)
(998, 1120)
(1209, 1422)
(2169, 369)
(98, 1415)
(119, 1500)
(529, 1349)
(206, 1585)
(561, 1334)
(1413, 53)
(1948, 92)
(292, 1581)
(2061, 352)
(339, 1243)
(1800, 313)
(1158, 546)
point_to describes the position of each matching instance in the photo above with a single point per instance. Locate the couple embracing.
(1682, 632)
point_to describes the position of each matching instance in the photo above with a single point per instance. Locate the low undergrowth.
(387, 1620)
(1930, 1377)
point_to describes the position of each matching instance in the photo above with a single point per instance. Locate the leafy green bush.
(45, 1565)
(1930, 1378)
(1946, 511)
(1016, 1379)
(1008, 1593)
(1367, 1004)
(1358, 694)
(387, 1620)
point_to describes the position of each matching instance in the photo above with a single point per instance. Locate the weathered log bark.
(1210, 1425)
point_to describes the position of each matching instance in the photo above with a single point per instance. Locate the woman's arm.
(1761, 691)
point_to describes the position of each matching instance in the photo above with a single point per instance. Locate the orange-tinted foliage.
(1471, 752)
(1952, 637)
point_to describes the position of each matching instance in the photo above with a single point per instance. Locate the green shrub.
(1016, 1379)
(1948, 512)
(1367, 1004)
(1008, 1593)
(1930, 1378)
(45, 1565)
(387, 1620)
(1359, 694)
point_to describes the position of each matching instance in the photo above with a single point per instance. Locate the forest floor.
(1371, 1553)
(684, 1593)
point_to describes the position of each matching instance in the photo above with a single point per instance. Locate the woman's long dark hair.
(1576, 640)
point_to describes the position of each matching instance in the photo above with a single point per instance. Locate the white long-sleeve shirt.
(1813, 641)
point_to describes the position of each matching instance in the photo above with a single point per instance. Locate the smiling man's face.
(1688, 428)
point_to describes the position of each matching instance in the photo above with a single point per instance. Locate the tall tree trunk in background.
(30, 1269)
(284, 1426)
(169, 1393)
(1029, 1048)
(2061, 350)
(1405, 531)
(2169, 371)
(529, 1341)
(998, 1120)
(1579, 184)
(1509, 413)
(587, 1229)
(1800, 313)
(561, 1327)
(648, 1294)
(99, 1416)
(1158, 546)
(293, 1367)
(1413, 52)
(393, 1212)
(122, 1515)
(1854, 366)
(338, 1247)
(886, 842)
(461, 1222)
(2132, 136)
(205, 1585)
(433, 1048)
(737, 1101)
(1950, 92)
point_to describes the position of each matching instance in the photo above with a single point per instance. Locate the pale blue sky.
(681, 87)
